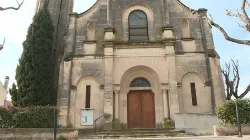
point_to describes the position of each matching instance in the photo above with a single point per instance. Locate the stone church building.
(137, 63)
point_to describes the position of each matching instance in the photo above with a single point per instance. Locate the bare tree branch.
(8, 8)
(245, 92)
(247, 3)
(13, 8)
(226, 74)
(242, 16)
(246, 17)
(232, 86)
(236, 75)
(2, 45)
(227, 37)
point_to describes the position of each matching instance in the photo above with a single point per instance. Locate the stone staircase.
(131, 133)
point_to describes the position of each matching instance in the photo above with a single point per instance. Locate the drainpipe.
(204, 44)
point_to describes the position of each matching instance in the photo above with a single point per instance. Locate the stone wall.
(196, 123)
(38, 133)
(227, 130)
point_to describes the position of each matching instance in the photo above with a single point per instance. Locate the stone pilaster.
(213, 63)
(108, 86)
(63, 97)
(64, 89)
(166, 111)
(179, 88)
(117, 104)
(169, 41)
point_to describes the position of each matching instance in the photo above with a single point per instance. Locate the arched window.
(185, 28)
(140, 82)
(138, 26)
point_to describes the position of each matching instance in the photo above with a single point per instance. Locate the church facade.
(136, 63)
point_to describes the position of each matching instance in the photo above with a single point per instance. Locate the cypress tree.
(34, 74)
(14, 95)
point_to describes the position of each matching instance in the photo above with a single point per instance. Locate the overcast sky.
(14, 25)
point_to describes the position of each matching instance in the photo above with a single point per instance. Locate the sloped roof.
(193, 11)
(91, 8)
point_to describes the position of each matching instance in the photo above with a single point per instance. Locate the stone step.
(132, 134)
(138, 132)
(139, 129)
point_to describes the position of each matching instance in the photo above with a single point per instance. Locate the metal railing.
(98, 120)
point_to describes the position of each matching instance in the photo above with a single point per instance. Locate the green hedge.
(227, 111)
(32, 117)
(6, 117)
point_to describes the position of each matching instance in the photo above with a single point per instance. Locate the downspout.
(204, 44)
(163, 13)
(71, 66)
(108, 14)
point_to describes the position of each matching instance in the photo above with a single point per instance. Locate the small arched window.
(140, 82)
(138, 26)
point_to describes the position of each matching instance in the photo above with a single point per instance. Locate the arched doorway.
(141, 105)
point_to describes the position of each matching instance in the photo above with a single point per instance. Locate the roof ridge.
(90, 9)
(185, 7)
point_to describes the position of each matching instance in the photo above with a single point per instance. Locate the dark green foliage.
(6, 117)
(14, 94)
(34, 117)
(62, 138)
(227, 111)
(34, 74)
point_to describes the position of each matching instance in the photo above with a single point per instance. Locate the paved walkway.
(190, 138)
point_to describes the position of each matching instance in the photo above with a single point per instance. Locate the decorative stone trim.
(184, 52)
(167, 28)
(73, 87)
(179, 84)
(139, 43)
(164, 86)
(187, 39)
(109, 29)
(169, 41)
(101, 86)
(202, 10)
(211, 53)
(68, 57)
(109, 34)
(186, 7)
(89, 41)
(117, 87)
(73, 14)
(108, 43)
(84, 55)
(208, 83)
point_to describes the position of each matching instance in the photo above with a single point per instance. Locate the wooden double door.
(141, 109)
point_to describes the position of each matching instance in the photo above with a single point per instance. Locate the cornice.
(192, 11)
(90, 9)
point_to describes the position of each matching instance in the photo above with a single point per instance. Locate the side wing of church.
(137, 62)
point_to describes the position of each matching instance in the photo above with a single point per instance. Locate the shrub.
(33, 117)
(6, 117)
(61, 138)
(227, 111)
